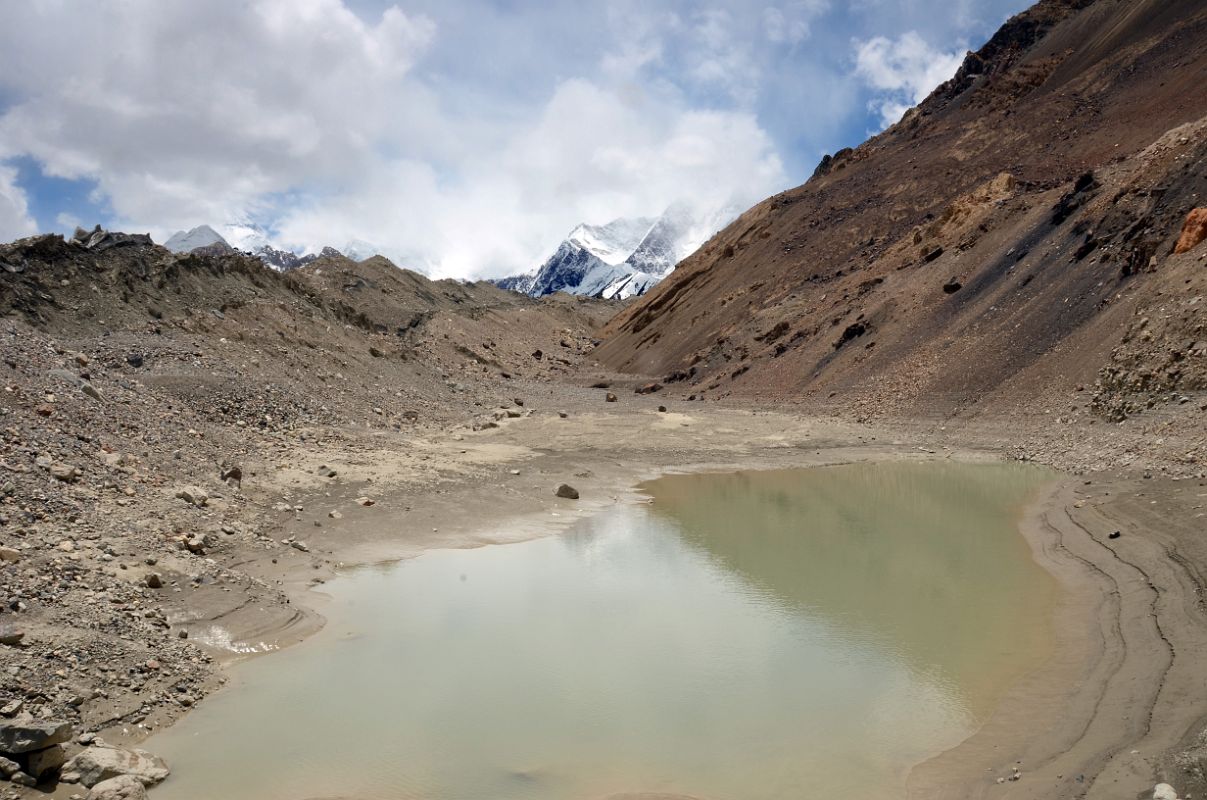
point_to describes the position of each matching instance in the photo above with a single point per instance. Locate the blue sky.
(464, 138)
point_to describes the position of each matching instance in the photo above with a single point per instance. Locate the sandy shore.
(1117, 699)
(1103, 718)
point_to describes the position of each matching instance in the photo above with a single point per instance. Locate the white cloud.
(301, 114)
(203, 109)
(592, 154)
(15, 221)
(467, 137)
(792, 22)
(902, 71)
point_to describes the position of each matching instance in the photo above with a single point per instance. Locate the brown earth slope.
(1002, 248)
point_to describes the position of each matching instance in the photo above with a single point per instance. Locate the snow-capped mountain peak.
(257, 241)
(188, 241)
(623, 258)
(611, 243)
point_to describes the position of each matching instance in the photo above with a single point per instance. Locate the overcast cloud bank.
(460, 138)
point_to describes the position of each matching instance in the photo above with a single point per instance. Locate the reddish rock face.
(1194, 231)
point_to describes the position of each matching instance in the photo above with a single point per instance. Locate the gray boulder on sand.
(567, 491)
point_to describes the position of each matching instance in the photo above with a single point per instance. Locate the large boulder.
(1194, 231)
(43, 763)
(101, 762)
(123, 787)
(26, 735)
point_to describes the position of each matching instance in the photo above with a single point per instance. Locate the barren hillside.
(1008, 246)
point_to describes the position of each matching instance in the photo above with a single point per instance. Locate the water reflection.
(917, 557)
(760, 636)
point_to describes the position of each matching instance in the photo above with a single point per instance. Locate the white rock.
(96, 763)
(123, 787)
(1163, 791)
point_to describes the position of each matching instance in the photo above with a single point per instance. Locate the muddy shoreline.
(1106, 673)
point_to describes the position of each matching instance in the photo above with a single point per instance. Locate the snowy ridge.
(255, 241)
(623, 258)
(614, 242)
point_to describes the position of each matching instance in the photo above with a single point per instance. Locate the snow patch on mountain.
(614, 242)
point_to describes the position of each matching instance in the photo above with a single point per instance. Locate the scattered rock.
(11, 635)
(1114, 535)
(99, 763)
(64, 472)
(567, 491)
(662, 409)
(648, 388)
(123, 787)
(563, 414)
(373, 351)
(10, 555)
(8, 767)
(194, 496)
(326, 472)
(43, 763)
(952, 286)
(1194, 231)
(28, 735)
(611, 398)
(1163, 791)
(232, 476)
(365, 501)
(135, 360)
(297, 545)
(154, 581)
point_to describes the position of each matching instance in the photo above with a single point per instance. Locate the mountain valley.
(196, 437)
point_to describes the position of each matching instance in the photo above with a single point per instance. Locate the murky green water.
(758, 636)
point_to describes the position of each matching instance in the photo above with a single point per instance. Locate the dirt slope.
(987, 254)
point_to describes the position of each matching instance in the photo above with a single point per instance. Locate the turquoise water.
(753, 636)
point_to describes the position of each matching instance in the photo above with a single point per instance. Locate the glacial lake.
(748, 636)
